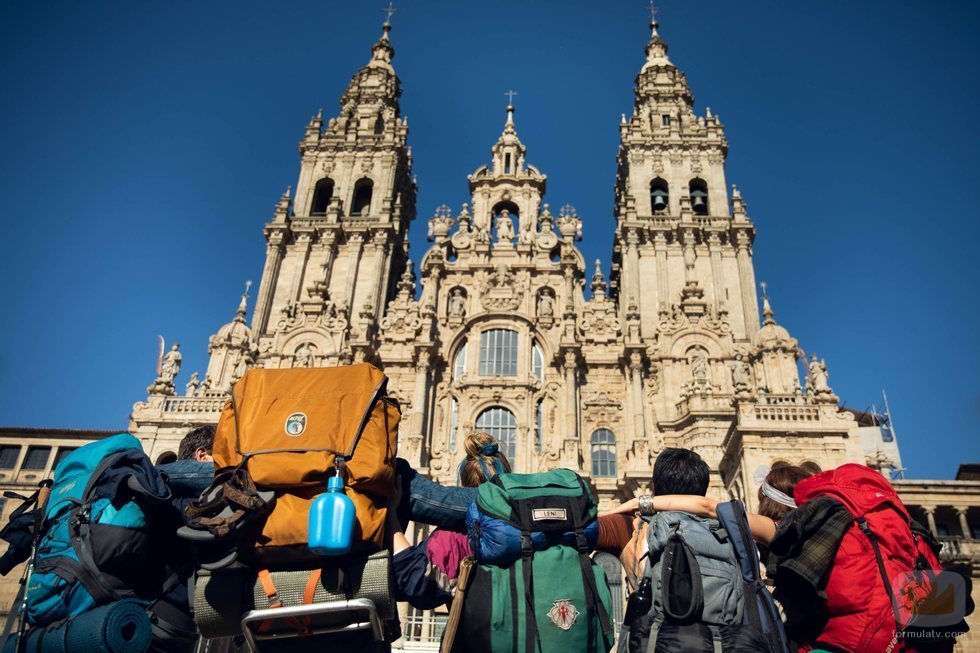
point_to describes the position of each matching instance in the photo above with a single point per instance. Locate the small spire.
(598, 285)
(510, 107)
(766, 308)
(243, 305)
(386, 26)
(653, 20)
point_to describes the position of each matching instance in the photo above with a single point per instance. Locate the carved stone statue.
(818, 375)
(526, 236)
(304, 356)
(483, 234)
(171, 364)
(699, 366)
(505, 227)
(546, 305)
(241, 367)
(741, 376)
(192, 385)
(457, 303)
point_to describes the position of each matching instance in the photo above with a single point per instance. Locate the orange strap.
(269, 587)
(311, 584)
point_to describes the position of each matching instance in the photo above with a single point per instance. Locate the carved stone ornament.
(499, 291)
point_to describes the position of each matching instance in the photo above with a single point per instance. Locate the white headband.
(778, 496)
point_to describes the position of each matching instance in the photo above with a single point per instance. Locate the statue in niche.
(457, 303)
(546, 305)
(505, 227)
(818, 374)
(304, 356)
(699, 367)
(170, 365)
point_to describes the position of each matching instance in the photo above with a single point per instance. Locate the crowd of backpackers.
(127, 556)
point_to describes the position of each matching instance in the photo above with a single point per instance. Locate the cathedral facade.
(503, 326)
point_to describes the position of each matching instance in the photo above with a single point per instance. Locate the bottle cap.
(335, 483)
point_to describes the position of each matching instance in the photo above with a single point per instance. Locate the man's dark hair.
(680, 471)
(200, 438)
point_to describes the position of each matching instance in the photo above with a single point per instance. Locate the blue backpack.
(760, 609)
(98, 533)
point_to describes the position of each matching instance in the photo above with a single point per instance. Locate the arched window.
(459, 362)
(614, 574)
(379, 126)
(361, 204)
(498, 352)
(537, 363)
(659, 195)
(322, 194)
(501, 424)
(166, 457)
(699, 196)
(538, 426)
(811, 467)
(603, 453)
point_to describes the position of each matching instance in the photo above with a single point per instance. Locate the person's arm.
(762, 528)
(628, 507)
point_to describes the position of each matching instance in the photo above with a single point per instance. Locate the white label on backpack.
(563, 614)
(548, 514)
(295, 424)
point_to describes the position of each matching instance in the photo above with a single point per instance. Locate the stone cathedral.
(503, 326)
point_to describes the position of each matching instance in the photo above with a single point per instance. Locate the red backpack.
(875, 584)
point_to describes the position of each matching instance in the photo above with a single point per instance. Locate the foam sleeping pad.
(120, 627)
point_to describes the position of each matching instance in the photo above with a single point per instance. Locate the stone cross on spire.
(389, 12)
(510, 97)
(653, 18)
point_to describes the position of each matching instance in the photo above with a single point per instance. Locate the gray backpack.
(696, 588)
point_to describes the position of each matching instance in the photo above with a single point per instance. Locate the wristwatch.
(646, 505)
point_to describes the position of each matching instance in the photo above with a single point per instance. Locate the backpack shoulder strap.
(866, 529)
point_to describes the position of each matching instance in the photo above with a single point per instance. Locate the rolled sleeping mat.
(120, 627)
(223, 596)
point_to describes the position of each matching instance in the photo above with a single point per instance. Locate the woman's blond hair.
(483, 461)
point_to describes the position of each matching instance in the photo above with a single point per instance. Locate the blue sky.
(145, 144)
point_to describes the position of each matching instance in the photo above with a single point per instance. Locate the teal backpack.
(552, 599)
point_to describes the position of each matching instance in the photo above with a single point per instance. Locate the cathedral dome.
(771, 334)
(235, 333)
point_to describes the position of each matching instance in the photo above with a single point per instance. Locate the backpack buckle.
(527, 548)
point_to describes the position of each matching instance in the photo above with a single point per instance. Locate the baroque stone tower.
(502, 336)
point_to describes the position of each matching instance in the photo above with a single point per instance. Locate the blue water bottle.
(331, 523)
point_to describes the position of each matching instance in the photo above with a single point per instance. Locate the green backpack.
(552, 598)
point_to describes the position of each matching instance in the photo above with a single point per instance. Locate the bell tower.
(336, 248)
(678, 240)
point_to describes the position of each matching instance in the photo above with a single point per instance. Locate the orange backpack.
(292, 429)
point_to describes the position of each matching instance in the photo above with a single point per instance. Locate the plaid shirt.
(806, 541)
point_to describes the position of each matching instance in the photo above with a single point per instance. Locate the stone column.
(636, 388)
(571, 404)
(714, 248)
(964, 523)
(931, 519)
(632, 262)
(660, 245)
(356, 248)
(270, 275)
(746, 277)
(303, 242)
